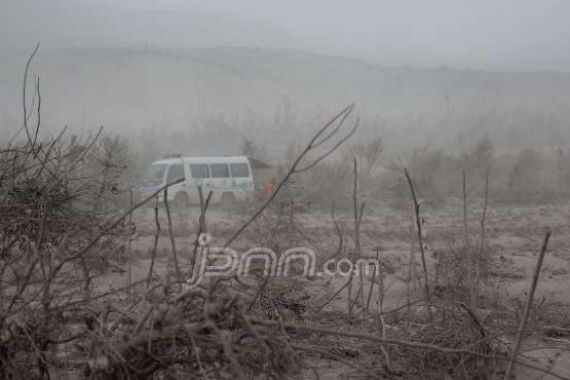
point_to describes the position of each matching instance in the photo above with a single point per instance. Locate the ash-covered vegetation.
(88, 291)
(432, 203)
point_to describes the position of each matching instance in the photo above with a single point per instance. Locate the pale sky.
(501, 35)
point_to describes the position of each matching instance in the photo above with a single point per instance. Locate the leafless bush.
(524, 175)
(52, 230)
(368, 154)
(453, 327)
(328, 184)
(51, 241)
(201, 334)
(453, 271)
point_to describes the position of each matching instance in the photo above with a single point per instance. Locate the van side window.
(239, 170)
(199, 171)
(175, 172)
(220, 170)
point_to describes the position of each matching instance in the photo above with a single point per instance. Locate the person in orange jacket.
(270, 188)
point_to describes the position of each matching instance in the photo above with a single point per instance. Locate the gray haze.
(421, 72)
(503, 35)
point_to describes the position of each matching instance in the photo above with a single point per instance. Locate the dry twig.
(419, 231)
(522, 327)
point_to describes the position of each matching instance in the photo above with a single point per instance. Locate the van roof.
(204, 160)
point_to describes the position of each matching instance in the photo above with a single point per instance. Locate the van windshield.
(154, 175)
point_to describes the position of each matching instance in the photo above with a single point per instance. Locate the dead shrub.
(452, 327)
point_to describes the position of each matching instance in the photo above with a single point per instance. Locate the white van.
(229, 178)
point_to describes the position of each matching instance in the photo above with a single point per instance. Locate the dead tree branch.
(419, 231)
(171, 233)
(294, 169)
(522, 327)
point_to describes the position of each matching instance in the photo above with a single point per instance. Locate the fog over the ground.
(421, 72)
(503, 35)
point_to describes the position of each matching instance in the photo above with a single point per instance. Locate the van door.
(242, 181)
(200, 177)
(175, 172)
(220, 179)
(153, 179)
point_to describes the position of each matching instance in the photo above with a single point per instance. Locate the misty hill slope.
(141, 88)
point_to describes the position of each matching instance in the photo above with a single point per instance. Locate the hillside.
(132, 88)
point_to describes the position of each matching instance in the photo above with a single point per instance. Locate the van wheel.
(228, 201)
(181, 200)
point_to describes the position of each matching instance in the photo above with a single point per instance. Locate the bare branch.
(419, 231)
(522, 327)
(294, 169)
(24, 100)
